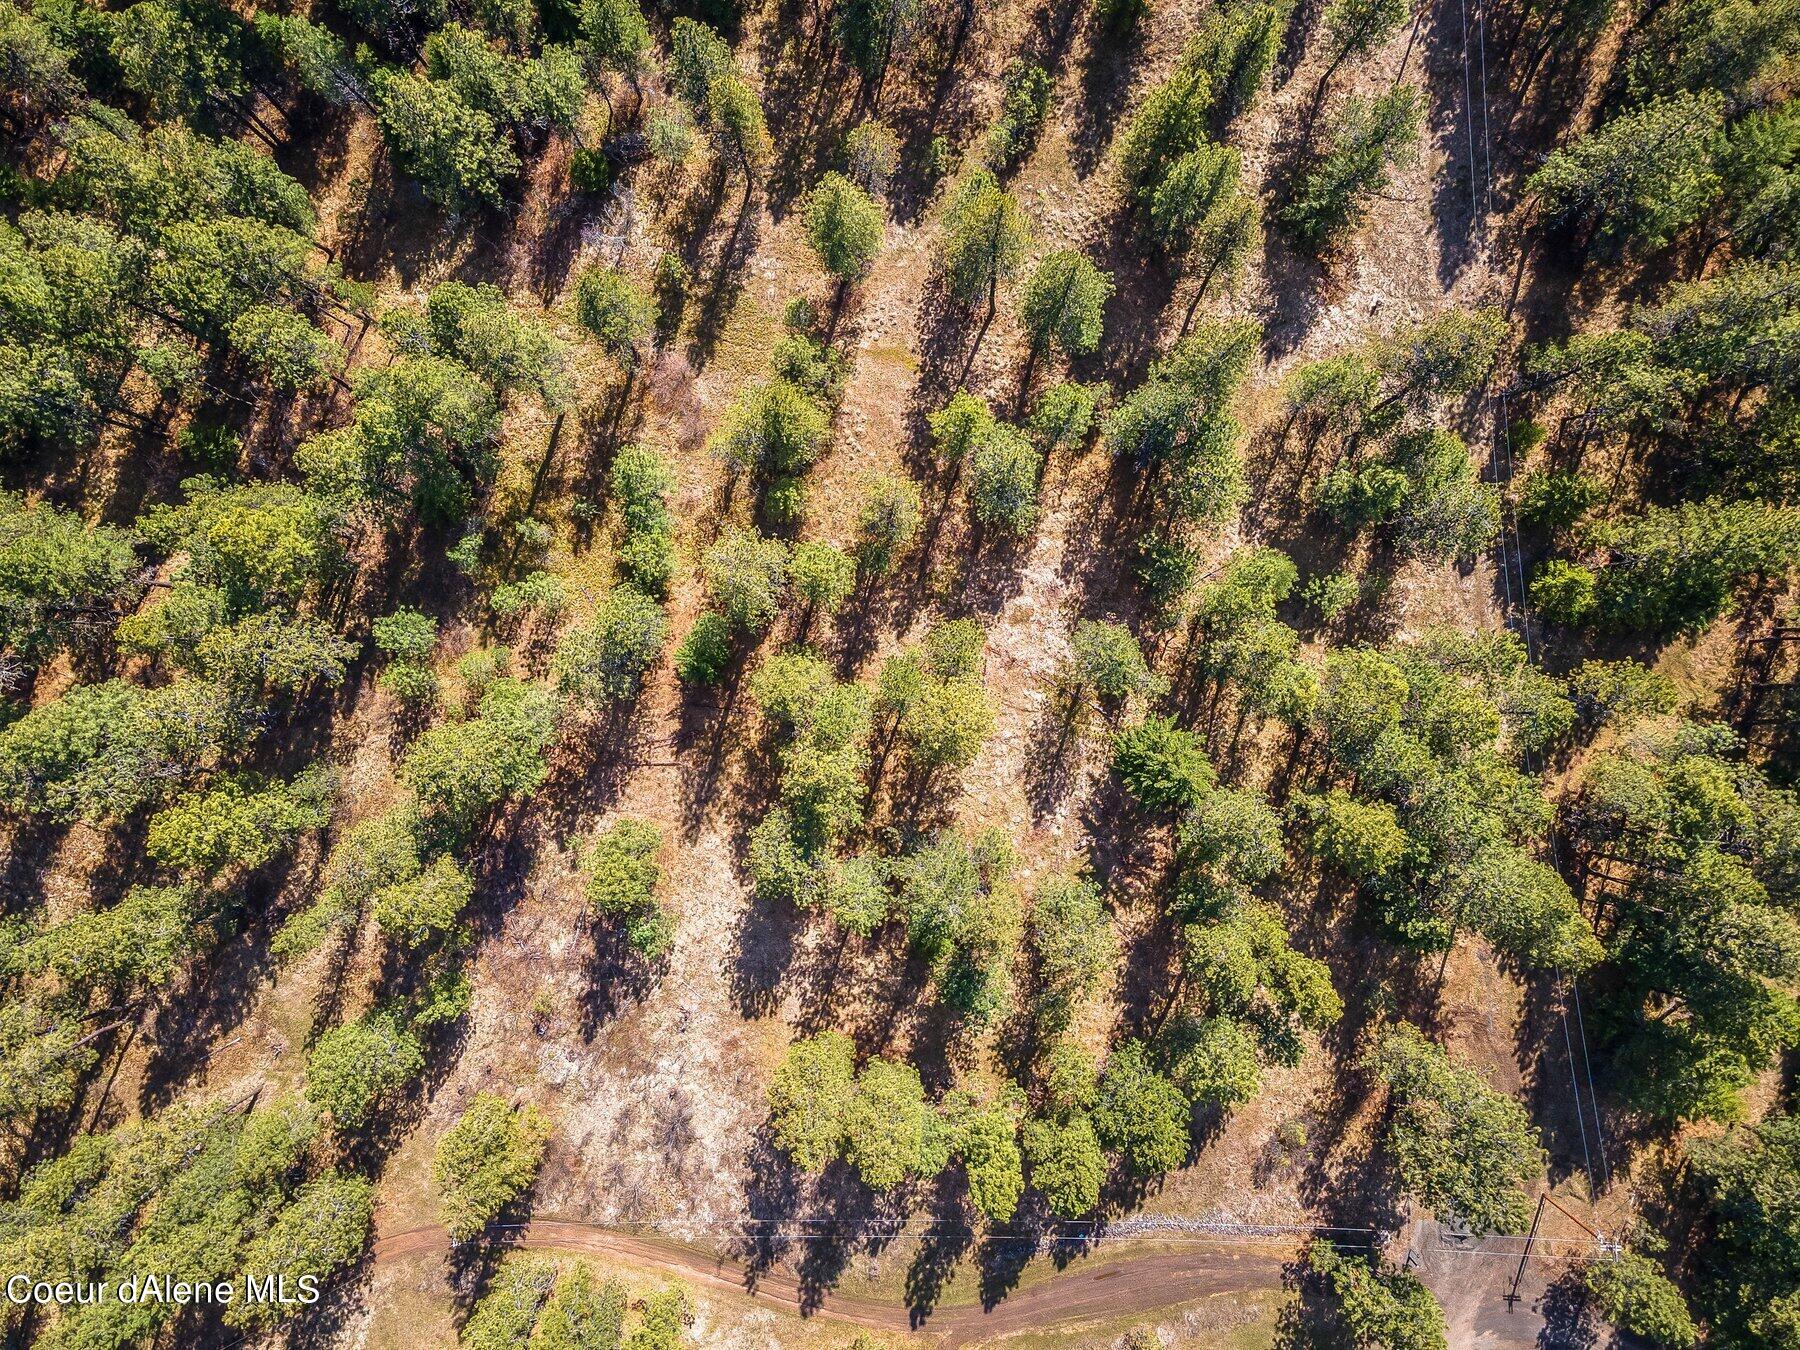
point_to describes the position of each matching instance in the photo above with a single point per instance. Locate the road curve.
(1087, 1291)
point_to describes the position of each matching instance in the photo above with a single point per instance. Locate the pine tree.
(984, 240)
(843, 225)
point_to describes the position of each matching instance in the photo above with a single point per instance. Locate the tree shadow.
(763, 947)
(936, 1258)
(1105, 75)
(1054, 754)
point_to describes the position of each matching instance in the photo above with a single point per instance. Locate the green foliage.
(138, 943)
(1242, 643)
(1367, 138)
(1701, 944)
(45, 1055)
(1171, 121)
(960, 426)
(284, 348)
(773, 429)
(460, 772)
(424, 432)
(933, 700)
(1674, 569)
(706, 650)
(962, 916)
(1239, 44)
(580, 1315)
(536, 593)
(475, 325)
(1196, 193)
(1380, 1308)
(887, 521)
(1179, 425)
(809, 1098)
(1073, 948)
(506, 1314)
(1641, 177)
(1024, 103)
(102, 751)
(1462, 1148)
(455, 150)
(869, 30)
(622, 878)
(843, 225)
(605, 660)
(1141, 1114)
(1063, 416)
(871, 154)
(408, 637)
(1556, 501)
(1066, 1163)
(614, 34)
(1162, 765)
(262, 544)
(736, 118)
(1331, 593)
(485, 1161)
(746, 576)
(945, 725)
(367, 858)
(1750, 1270)
(405, 635)
(984, 240)
(663, 1320)
(424, 909)
(617, 312)
(1003, 480)
(1523, 906)
(324, 1228)
(1243, 967)
(238, 823)
(1361, 839)
(1354, 28)
(1105, 658)
(1633, 1294)
(1606, 691)
(987, 1140)
(359, 1067)
(1214, 1059)
(1064, 303)
(641, 483)
(822, 576)
(206, 1185)
(1433, 730)
(890, 1131)
(1565, 593)
(697, 57)
(823, 727)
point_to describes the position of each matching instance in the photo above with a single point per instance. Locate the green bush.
(706, 650)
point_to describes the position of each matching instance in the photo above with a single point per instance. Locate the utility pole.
(1512, 1295)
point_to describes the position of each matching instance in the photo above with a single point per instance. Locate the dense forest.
(1013, 606)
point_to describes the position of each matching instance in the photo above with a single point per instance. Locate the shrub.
(604, 661)
(706, 650)
(822, 576)
(485, 1161)
(356, 1067)
(1161, 765)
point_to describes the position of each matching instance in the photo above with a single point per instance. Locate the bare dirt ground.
(1089, 1291)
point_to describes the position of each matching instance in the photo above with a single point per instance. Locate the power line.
(1512, 574)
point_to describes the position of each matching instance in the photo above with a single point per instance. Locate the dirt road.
(1090, 1291)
